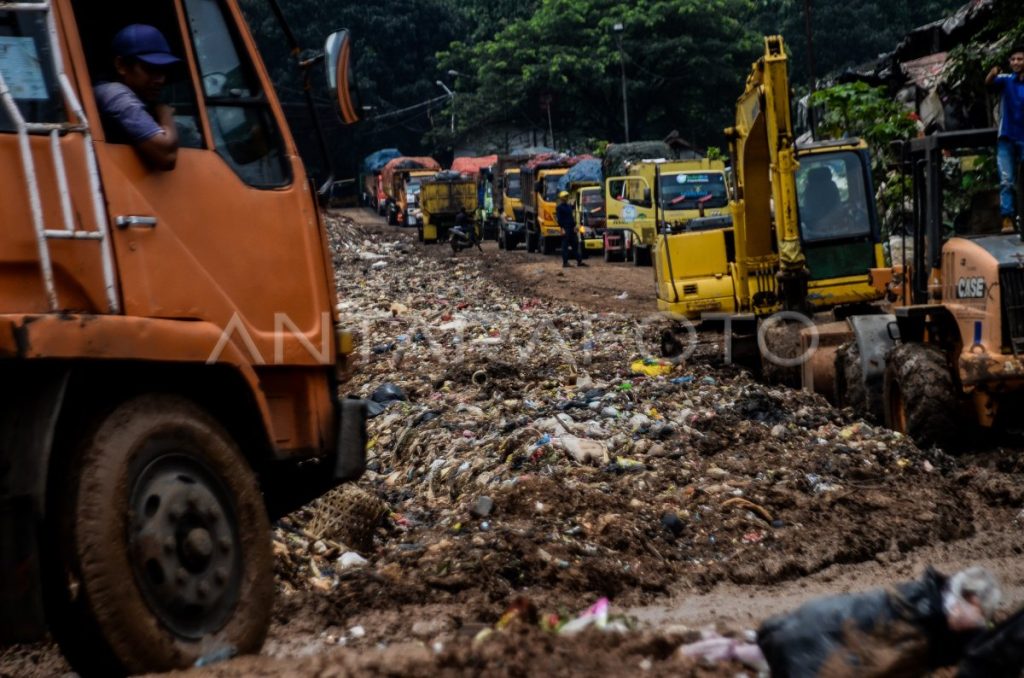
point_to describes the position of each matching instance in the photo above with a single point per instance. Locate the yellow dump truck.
(441, 198)
(637, 208)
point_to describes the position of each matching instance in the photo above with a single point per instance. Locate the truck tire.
(920, 398)
(549, 246)
(163, 544)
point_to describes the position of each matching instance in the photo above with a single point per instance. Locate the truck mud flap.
(350, 462)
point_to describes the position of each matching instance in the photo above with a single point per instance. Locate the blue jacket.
(566, 218)
(1012, 89)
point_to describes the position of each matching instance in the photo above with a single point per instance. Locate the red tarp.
(406, 162)
(472, 166)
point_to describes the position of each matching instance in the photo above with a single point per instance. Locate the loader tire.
(850, 390)
(919, 395)
(163, 544)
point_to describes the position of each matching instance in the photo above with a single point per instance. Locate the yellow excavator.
(803, 230)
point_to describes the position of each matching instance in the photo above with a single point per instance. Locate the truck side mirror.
(340, 79)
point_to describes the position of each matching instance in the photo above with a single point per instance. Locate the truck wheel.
(549, 246)
(164, 544)
(920, 397)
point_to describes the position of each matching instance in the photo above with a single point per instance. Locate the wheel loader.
(949, 356)
(169, 345)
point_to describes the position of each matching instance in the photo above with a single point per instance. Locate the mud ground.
(433, 609)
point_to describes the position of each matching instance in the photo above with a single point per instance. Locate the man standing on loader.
(1011, 132)
(567, 222)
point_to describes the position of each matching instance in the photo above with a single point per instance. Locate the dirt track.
(853, 506)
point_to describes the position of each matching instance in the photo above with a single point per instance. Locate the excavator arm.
(770, 265)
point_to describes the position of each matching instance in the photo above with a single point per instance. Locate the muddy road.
(539, 458)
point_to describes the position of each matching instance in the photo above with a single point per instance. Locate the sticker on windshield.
(21, 68)
(629, 213)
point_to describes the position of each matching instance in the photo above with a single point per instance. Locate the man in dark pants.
(567, 222)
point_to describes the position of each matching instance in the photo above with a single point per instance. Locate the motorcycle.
(461, 238)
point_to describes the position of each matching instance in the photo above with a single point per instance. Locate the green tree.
(685, 61)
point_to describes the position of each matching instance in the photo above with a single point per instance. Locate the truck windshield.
(690, 190)
(551, 187)
(513, 186)
(832, 197)
(593, 202)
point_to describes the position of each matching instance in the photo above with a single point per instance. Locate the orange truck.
(402, 178)
(169, 348)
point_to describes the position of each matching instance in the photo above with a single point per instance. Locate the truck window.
(97, 32)
(832, 197)
(685, 191)
(551, 187)
(245, 133)
(26, 64)
(513, 187)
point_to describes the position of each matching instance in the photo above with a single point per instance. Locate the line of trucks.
(512, 198)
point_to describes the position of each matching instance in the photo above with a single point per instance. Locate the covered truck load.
(371, 183)
(401, 178)
(442, 197)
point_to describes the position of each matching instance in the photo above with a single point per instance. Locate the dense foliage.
(685, 61)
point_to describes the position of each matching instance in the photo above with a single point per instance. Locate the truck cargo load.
(401, 178)
(370, 181)
(442, 197)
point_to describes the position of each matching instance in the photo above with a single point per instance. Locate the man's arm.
(161, 150)
(993, 79)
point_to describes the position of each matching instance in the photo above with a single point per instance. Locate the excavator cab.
(840, 233)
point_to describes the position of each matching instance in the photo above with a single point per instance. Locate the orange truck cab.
(540, 199)
(168, 342)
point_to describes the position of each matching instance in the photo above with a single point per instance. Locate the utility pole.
(617, 29)
(451, 95)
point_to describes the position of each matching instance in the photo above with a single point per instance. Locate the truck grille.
(1011, 284)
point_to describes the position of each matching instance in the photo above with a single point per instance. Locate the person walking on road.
(567, 222)
(1011, 133)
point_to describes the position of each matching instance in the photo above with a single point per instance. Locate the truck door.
(630, 207)
(238, 194)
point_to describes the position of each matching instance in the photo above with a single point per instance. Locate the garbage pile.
(522, 445)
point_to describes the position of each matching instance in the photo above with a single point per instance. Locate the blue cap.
(144, 43)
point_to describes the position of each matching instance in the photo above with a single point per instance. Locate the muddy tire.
(163, 544)
(850, 390)
(920, 396)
